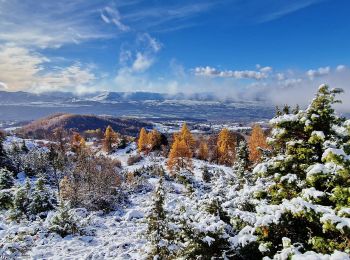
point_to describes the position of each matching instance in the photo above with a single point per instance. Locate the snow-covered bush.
(6, 179)
(42, 199)
(65, 222)
(6, 199)
(158, 233)
(92, 183)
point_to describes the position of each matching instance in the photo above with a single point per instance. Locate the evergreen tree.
(64, 222)
(41, 199)
(6, 179)
(256, 140)
(158, 232)
(242, 162)
(21, 201)
(24, 147)
(301, 194)
(226, 147)
(206, 175)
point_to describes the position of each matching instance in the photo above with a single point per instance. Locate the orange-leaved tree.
(154, 140)
(143, 140)
(226, 145)
(203, 151)
(110, 137)
(256, 140)
(186, 135)
(180, 156)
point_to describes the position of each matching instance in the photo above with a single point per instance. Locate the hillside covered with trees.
(279, 193)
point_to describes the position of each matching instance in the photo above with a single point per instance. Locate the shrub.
(134, 159)
(5, 199)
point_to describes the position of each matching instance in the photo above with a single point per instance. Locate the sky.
(278, 50)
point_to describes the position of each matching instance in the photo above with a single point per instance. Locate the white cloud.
(238, 74)
(112, 15)
(340, 68)
(280, 76)
(142, 62)
(266, 69)
(322, 71)
(3, 86)
(150, 42)
(22, 69)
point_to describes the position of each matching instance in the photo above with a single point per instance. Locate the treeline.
(218, 148)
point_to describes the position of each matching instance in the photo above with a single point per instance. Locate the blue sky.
(242, 48)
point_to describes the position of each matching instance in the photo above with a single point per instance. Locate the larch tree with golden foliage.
(226, 145)
(110, 137)
(154, 140)
(78, 143)
(180, 156)
(256, 140)
(186, 135)
(203, 151)
(143, 140)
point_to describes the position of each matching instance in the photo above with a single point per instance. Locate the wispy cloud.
(112, 16)
(279, 9)
(50, 23)
(237, 74)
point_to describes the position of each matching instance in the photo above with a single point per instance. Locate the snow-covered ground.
(117, 235)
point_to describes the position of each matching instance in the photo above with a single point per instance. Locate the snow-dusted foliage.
(301, 193)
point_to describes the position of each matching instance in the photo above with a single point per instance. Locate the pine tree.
(206, 175)
(226, 147)
(6, 179)
(110, 137)
(203, 151)
(64, 222)
(142, 143)
(24, 147)
(301, 192)
(158, 232)
(180, 156)
(257, 140)
(242, 162)
(41, 199)
(21, 201)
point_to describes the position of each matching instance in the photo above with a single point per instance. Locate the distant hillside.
(80, 123)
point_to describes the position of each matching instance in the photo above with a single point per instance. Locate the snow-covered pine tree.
(21, 201)
(158, 233)
(301, 194)
(64, 222)
(42, 200)
(6, 182)
(242, 162)
(200, 231)
(6, 179)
